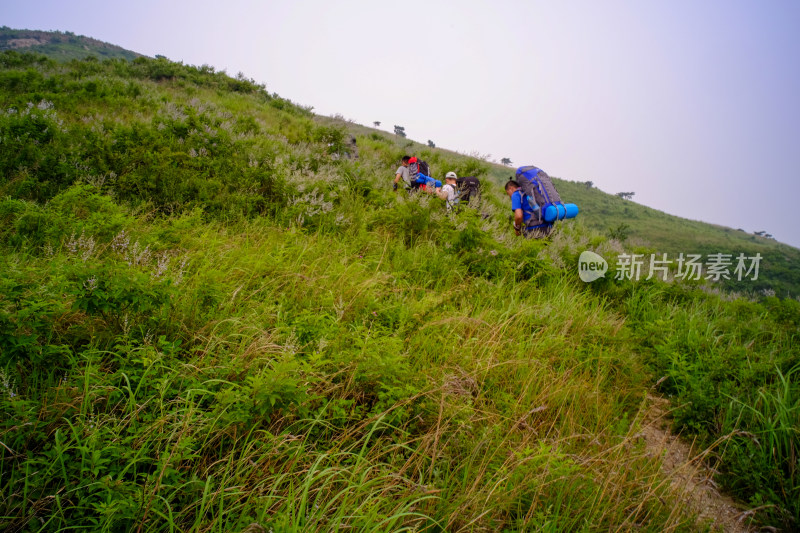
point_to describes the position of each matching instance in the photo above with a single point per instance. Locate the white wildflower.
(162, 264)
(90, 284)
(72, 244)
(120, 242)
(7, 385)
(181, 269)
(138, 256)
(87, 249)
(83, 245)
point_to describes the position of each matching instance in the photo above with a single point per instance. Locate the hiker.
(536, 203)
(402, 173)
(527, 220)
(448, 191)
(351, 152)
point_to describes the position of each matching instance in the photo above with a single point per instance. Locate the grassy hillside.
(646, 230)
(642, 229)
(212, 319)
(60, 46)
(653, 231)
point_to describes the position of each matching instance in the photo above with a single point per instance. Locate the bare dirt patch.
(690, 476)
(24, 43)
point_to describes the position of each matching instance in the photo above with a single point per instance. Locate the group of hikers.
(415, 175)
(535, 203)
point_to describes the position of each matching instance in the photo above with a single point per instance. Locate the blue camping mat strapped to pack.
(539, 191)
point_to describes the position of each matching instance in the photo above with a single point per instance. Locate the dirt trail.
(691, 478)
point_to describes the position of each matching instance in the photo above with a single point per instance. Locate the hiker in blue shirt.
(527, 217)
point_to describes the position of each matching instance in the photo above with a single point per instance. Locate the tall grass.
(263, 333)
(381, 399)
(731, 367)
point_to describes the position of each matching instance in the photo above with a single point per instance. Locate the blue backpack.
(540, 193)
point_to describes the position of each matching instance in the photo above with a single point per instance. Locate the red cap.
(412, 160)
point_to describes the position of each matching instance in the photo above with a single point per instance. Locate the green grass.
(209, 318)
(651, 231)
(642, 229)
(355, 403)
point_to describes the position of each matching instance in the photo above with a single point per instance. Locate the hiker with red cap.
(415, 173)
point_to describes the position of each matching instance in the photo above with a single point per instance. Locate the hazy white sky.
(693, 105)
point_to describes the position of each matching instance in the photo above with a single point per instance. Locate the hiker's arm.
(441, 194)
(518, 217)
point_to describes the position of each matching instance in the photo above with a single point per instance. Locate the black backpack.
(468, 187)
(423, 168)
(418, 167)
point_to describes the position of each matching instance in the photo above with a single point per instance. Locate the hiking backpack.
(415, 168)
(538, 190)
(418, 166)
(467, 187)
